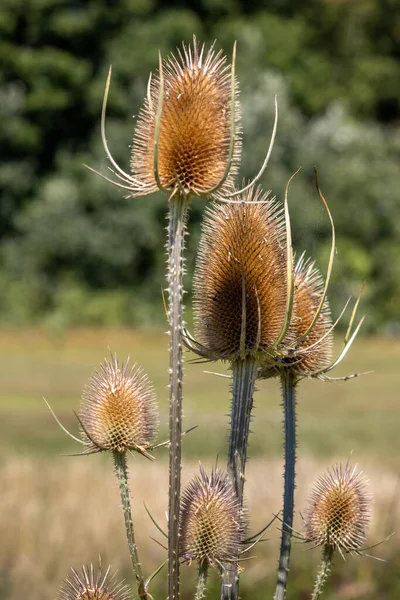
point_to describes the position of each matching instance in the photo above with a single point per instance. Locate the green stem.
(178, 208)
(323, 571)
(288, 381)
(201, 587)
(121, 471)
(244, 376)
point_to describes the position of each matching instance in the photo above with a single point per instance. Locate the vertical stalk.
(121, 471)
(178, 208)
(288, 381)
(244, 376)
(323, 572)
(201, 587)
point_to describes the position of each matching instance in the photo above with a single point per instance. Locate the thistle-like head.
(188, 133)
(92, 585)
(211, 526)
(338, 510)
(240, 285)
(118, 411)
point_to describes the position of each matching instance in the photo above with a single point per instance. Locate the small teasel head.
(240, 285)
(211, 526)
(92, 585)
(338, 510)
(118, 411)
(307, 348)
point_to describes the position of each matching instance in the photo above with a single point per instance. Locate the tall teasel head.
(212, 523)
(188, 134)
(240, 284)
(338, 510)
(92, 585)
(118, 411)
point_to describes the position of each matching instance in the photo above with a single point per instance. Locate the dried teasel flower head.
(307, 347)
(240, 285)
(338, 510)
(188, 134)
(211, 527)
(89, 585)
(195, 125)
(118, 410)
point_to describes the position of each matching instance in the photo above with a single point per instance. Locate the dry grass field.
(57, 511)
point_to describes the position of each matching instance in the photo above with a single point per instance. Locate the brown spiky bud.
(194, 130)
(338, 510)
(240, 278)
(118, 408)
(89, 585)
(211, 527)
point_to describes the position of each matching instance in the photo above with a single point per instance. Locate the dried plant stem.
(178, 208)
(244, 376)
(288, 381)
(121, 471)
(201, 587)
(323, 572)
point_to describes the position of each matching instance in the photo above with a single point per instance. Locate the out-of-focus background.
(81, 268)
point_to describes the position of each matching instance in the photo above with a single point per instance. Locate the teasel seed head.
(194, 131)
(303, 351)
(89, 585)
(240, 278)
(338, 510)
(118, 410)
(212, 523)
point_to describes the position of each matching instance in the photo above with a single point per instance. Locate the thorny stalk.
(323, 571)
(178, 208)
(201, 587)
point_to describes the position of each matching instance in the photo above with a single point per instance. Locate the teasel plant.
(92, 584)
(213, 525)
(118, 414)
(187, 143)
(241, 311)
(306, 352)
(336, 517)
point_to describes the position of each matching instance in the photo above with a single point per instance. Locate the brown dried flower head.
(89, 585)
(194, 130)
(240, 278)
(303, 351)
(118, 409)
(338, 511)
(211, 527)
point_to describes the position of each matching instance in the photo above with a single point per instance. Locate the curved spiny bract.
(194, 135)
(211, 528)
(338, 510)
(92, 585)
(240, 278)
(299, 353)
(118, 409)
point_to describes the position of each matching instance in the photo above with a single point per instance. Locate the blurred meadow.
(82, 267)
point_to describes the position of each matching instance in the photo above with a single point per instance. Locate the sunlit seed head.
(240, 277)
(90, 584)
(338, 510)
(195, 127)
(118, 408)
(211, 528)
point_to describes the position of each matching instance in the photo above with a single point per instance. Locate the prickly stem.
(178, 207)
(288, 381)
(323, 572)
(201, 587)
(121, 471)
(244, 376)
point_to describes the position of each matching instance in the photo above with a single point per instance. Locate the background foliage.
(74, 251)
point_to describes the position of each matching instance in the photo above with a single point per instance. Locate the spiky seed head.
(195, 127)
(92, 585)
(240, 278)
(338, 510)
(211, 527)
(315, 350)
(118, 408)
